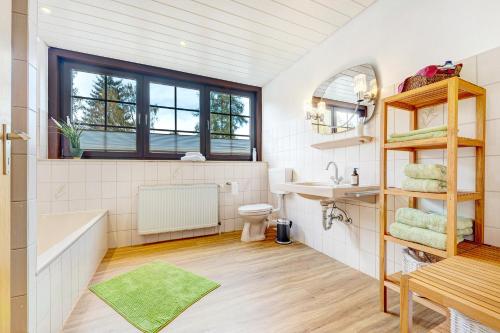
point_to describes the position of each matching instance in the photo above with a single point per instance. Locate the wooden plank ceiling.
(246, 41)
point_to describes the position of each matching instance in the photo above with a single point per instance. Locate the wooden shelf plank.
(461, 196)
(347, 142)
(462, 247)
(392, 283)
(433, 143)
(432, 94)
(416, 246)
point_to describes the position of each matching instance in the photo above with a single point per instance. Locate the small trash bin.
(283, 231)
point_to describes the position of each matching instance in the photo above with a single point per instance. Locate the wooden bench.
(469, 283)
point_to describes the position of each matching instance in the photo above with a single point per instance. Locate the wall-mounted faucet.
(336, 179)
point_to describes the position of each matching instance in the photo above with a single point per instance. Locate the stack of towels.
(193, 156)
(427, 228)
(425, 178)
(423, 133)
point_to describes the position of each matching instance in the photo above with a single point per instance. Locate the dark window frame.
(58, 147)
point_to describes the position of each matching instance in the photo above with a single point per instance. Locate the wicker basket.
(417, 81)
(413, 260)
(460, 323)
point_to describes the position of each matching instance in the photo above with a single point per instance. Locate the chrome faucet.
(336, 179)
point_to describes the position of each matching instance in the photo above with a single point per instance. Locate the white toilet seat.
(255, 209)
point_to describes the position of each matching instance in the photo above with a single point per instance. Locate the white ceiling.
(247, 41)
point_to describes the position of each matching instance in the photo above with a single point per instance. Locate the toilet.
(255, 216)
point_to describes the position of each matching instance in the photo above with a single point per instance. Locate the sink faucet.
(336, 179)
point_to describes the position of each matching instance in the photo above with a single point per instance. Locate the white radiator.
(164, 208)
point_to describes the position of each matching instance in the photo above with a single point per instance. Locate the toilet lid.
(255, 208)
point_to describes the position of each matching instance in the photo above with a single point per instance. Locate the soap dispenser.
(355, 177)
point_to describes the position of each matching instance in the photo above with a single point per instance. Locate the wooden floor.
(265, 288)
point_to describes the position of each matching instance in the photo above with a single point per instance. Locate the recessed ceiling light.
(183, 43)
(45, 10)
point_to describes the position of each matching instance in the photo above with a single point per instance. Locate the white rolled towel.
(193, 153)
(193, 158)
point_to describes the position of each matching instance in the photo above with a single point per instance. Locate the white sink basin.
(330, 191)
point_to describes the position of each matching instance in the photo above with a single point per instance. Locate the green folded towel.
(430, 135)
(426, 171)
(442, 128)
(424, 185)
(432, 221)
(421, 236)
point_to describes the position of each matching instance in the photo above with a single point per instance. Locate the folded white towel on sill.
(193, 153)
(193, 158)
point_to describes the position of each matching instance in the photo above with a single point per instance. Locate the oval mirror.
(345, 100)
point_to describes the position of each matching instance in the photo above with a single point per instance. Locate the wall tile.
(19, 272)
(19, 312)
(488, 67)
(108, 171)
(76, 172)
(492, 176)
(493, 101)
(19, 186)
(19, 221)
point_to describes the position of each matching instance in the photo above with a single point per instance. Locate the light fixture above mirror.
(344, 101)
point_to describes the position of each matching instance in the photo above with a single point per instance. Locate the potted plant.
(72, 132)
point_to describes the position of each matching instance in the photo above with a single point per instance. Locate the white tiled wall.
(73, 185)
(287, 138)
(23, 166)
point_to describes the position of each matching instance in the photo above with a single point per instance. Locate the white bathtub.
(69, 250)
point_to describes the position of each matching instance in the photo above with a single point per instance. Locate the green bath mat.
(153, 295)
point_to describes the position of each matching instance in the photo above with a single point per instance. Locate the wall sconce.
(316, 114)
(361, 89)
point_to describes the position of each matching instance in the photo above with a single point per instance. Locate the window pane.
(121, 89)
(99, 139)
(168, 141)
(86, 84)
(188, 98)
(240, 105)
(240, 125)
(87, 111)
(220, 124)
(161, 95)
(219, 102)
(188, 121)
(225, 144)
(120, 114)
(160, 118)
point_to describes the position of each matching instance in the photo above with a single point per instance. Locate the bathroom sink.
(317, 190)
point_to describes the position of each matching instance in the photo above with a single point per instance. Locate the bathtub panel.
(55, 296)
(74, 274)
(43, 301)
(66, 283)
(66, 277)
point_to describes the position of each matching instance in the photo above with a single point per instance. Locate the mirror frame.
(319, 121)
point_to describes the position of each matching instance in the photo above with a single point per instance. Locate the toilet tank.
(279, 176)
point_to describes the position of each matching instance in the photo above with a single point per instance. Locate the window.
(174, 118)
(230, 123)
(107, 106)
(137, 111)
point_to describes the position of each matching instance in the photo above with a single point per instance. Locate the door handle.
(18, 135)
(6, 137)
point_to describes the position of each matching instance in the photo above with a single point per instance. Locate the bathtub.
(69, 249)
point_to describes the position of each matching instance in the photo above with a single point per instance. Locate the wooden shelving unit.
(447, 91)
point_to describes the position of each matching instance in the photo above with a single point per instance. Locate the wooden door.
(5, 118)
